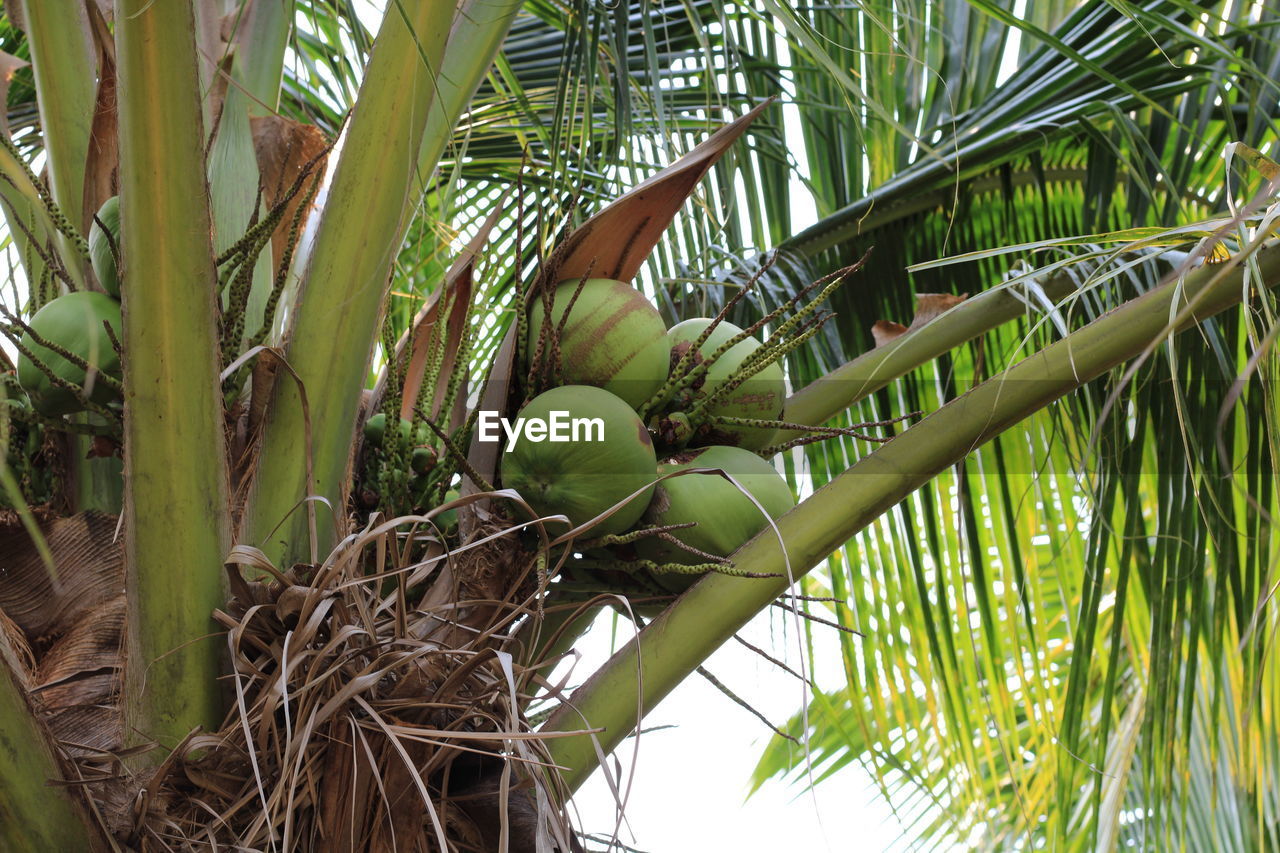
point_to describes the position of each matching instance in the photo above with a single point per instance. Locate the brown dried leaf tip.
(929, 306)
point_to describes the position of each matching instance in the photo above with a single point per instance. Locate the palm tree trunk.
(37, 815)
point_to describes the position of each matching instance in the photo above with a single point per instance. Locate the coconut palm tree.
(315, 654)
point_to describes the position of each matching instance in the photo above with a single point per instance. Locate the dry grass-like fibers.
(360, 720)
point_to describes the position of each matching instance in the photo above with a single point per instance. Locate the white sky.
(688, 794)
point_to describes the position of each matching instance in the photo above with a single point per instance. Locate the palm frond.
(1115, 553)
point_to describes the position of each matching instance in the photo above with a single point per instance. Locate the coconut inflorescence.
(375, 429)
(75, 323)
(609, 458)
(605, 333)
(422, 454)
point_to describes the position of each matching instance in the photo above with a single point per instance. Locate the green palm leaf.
(1108, 557)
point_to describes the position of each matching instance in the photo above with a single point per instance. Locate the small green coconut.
(609, 455)
(422, 459)
(448, 519)
(725, 518)
(760, 397)
(613, 339)
(376, 427)
(104, 263)
(73, 322)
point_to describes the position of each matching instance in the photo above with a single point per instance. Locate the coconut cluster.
(406, 461)
(66, 357)
(672, 402)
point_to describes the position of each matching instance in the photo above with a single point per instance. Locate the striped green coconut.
(613, 338)
(104, 263)
(584, 477)
(725, 517)
(73, 322)
(761, 397)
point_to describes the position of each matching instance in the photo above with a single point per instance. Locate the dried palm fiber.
(361, 720)
(365, 721)
(71, 622)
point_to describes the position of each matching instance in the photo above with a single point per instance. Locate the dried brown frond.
(354, 726)
(373, 705)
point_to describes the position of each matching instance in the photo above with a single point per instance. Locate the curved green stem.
(405, 113)
(861, 377)
(176, 475)
(477, 34)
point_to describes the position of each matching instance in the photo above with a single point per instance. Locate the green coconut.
(448, 519)
(725, 518)
(376, 427)
(73, 322)
(760, 397)
(104, 263)
(423, 458)
(582, 478)
(613, 338)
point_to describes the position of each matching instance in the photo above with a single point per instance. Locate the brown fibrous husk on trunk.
(363, 716)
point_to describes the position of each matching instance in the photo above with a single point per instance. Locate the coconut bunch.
(677, 476)
(69, 349)
(68, 372)
(652, 444)
(416, 428)
(69, 354)
(408, 467)
(68, 375)
(413, 447)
